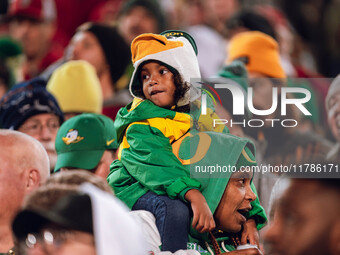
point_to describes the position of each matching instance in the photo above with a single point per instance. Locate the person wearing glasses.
(29, 108)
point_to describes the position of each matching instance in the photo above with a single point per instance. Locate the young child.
(148, 175)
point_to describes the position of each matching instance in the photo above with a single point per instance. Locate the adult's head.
(140, 16)
(89, 222)
(104, 48)
(249, 20)
(24, 166)
(260, 54)
(87, 141)
(306, 220)
(33, 24)
(333, 107)
(76, 87)
(226, 183)
(29, 108)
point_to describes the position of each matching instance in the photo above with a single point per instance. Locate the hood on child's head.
(176, 49)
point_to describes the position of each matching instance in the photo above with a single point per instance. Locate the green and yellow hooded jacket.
(149, 158)
(220, 150)
(151, 137)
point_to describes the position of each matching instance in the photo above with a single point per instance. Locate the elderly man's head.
(29, 108)
(24, 165)
(306, 220)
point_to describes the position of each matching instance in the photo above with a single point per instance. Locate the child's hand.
(203, 220)
(250, 233)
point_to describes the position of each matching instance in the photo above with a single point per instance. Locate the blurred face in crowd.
(85, 46)
(235, 203)
(262, 90)
(59, 241)
(44, 128)
(306, 220)
(262, 99)
(33, 35)
(333, 115)
(136, 21)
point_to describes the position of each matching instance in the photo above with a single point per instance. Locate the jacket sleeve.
(125, 187)
(149, 159)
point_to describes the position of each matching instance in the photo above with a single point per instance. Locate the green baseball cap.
(82, 140)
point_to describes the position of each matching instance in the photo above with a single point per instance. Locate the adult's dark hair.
(251, 21)
(116, 51)
(152, 6)
(5, 75)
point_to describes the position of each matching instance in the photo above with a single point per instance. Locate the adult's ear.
(33, 180)
(103, 170)
(335, 238)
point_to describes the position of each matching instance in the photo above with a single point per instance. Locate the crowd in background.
(65, 67)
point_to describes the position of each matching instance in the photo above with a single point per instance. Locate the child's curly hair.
(181, 88)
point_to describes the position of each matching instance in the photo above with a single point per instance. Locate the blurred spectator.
(279, 144)
(87, 223)
(3, 13)
(77, 89)
(33, 24)
(298, 62)
(249, 20)
(272, 22)
(10, 61)
(106, 12)
(105, 49)
(195, 18)
(310, 20)
(306, 219)
(24, 166)
(234, 73)
(140, 16)
(284, 35)
(4, 79)
(220, 11)
(29, 108)
(333, 110)
(74, 13)
(331, 28)
(87, 141)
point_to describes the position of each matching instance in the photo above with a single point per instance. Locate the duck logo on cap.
(72, 137)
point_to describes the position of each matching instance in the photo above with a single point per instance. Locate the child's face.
(158, 84)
